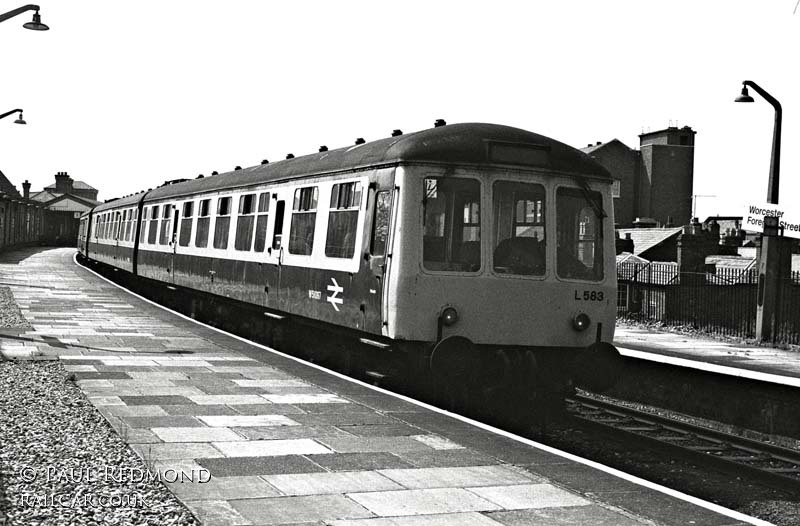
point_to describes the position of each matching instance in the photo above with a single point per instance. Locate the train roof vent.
(238, 168)
(323, 148)
(215, 172)
(396, 133)
(439, 123)
(360, 140)
(200, 176)
(290, 156)
(264, 161)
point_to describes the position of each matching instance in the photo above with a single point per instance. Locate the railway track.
(763, 463)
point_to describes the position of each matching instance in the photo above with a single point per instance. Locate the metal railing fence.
(721, 301)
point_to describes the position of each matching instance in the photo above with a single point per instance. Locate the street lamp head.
(20, 120)
(745, 96)
(36, 24)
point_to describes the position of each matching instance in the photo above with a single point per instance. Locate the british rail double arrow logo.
(334, 298)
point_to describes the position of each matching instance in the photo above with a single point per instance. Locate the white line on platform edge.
(569, 456)
(711, 367)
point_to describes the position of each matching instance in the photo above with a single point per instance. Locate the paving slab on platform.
(287, 443)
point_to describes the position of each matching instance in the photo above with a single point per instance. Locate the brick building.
(21, 219)
(66, 200)
(652, 185)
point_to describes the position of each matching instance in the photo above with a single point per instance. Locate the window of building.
(343, 220)
(245, 222)
(580, 234)
(519, 225)
(223, 223)
(166, 223)
(304, 216)
(186, 224)
(615, 188)
(451, 224)
(203, 223)
(261, 222)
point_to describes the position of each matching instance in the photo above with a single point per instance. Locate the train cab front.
(511, 277)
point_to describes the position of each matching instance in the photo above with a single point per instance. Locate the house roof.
(627, 257)
(646, 238)
(71, 203)
(76, 185)
(595, 147)
(722, 218)
(6, 186)
(44, 196)
(732, 262)
(47, 198)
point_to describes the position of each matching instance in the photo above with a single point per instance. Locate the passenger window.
(223, 223)
(203, 223)
(126, 224)
(451, 224)
(343, 220)
(166, 220)
(244, 223)
(380, 226)
(153, 233)
(519, 223)
(304, 216)
(186, 224)
(145, 222)
(261, 222)
(580, 234)
(135, 221)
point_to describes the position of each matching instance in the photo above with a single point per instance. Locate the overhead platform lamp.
(35, 24)
(19, 120)
(775, 261)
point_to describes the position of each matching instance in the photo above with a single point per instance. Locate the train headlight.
(449, 316)
(581, 322)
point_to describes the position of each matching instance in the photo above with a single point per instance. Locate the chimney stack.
(63, 183)
(26, 189)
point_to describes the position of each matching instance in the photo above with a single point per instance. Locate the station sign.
(771, 220)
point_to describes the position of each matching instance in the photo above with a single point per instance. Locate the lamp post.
(35, 24)
(19, 120)
(775, 257)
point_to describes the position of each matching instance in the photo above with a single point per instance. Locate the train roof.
(463, 144)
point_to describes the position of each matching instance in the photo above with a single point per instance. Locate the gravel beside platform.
(10, 315)
(61, 463)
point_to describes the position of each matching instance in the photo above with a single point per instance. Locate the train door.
(276, 299)
(176, 215)
(378, 254)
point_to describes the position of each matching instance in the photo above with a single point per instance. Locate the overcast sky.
(124, 95)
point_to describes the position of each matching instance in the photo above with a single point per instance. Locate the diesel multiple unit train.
(468, 260)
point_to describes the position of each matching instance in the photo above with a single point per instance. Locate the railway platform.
(765, 364)
(286, 442)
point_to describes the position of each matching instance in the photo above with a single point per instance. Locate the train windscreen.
(452, 224)
(579, 229)
(519, 227)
